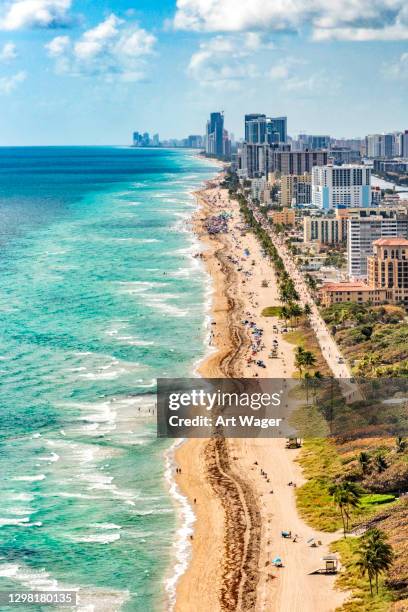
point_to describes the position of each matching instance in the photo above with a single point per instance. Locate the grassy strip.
(350, 579)
(271, 311)
(304, 336)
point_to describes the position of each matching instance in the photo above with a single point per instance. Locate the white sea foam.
(182, 547)
(13, 521)
(98, 538)
(52, 458)
(35, 478)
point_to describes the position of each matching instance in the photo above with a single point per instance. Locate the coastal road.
(328, 345)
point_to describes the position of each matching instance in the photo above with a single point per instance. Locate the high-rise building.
(259, 160)
(326, 230)
(380, 145)
(362, 232)
(277, 130)
(254, 132)
(403, 144)
(215, 135)
(313, 142)
(296, 190)
(156, 140)
(341, 187)
(195, 141)
(388, 268)
(260, 129)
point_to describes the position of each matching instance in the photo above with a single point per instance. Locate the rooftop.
(356, 286)
(395, 241)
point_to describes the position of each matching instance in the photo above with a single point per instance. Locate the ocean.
(99, 296)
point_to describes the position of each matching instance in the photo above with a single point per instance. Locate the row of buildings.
(142, 140)
(326, 186)
(389, 145)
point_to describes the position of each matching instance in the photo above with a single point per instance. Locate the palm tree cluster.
(346, 495)
(375, 556)
(304, 359)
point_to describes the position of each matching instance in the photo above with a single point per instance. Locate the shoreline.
(238, 519)
(187, 518)
(212, 457)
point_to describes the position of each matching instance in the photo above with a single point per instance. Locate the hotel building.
(362, 232)
(357, 292)
(388, 268)
(341, 187)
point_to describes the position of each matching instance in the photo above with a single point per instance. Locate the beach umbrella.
(277, 560)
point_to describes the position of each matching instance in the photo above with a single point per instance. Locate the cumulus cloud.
(225, 60)
(8, 52)
(20, 14)
(9, 83)
(341, 19)
(112, 49)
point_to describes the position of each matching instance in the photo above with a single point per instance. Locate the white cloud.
(397, 70)
(112, 49)
(19, 14)
(281, 71)
(342, 19)
(225, 60)
(8, 52)
(9, 83)
(291, 75)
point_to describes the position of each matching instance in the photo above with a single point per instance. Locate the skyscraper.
(255, 124)
(277, 129)
(260, 129)
(380, 145)
(215, 135)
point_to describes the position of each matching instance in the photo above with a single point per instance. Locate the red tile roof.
(357, 286)
(396, 241)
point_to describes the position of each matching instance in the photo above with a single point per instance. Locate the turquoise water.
(99, 295)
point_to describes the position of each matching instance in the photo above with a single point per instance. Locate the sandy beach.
(241, 512)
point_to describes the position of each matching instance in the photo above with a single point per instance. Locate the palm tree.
(366, 564)
(285, 314)
(346, 495)
(375, 555)
(380, 462)
(364, 460)
(295, 311)
(299, 359)
(309, 359)
(401, 444)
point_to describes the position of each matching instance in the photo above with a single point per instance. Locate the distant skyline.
(92, 72)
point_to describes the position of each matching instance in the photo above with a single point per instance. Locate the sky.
(93, 71)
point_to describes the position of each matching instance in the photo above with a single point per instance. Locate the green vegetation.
(376, 499)
(271, 311)
(351, 579)
(304, 360)
(346, 496)
(375, 556)
(373, 338)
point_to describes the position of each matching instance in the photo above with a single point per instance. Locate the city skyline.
(90, 73)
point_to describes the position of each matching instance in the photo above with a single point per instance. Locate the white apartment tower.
(341, 187)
